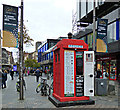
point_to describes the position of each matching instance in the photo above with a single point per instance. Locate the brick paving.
(10, 98)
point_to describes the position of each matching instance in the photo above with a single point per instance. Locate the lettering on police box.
(79, 85)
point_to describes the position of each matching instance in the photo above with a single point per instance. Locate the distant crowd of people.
(26, 72)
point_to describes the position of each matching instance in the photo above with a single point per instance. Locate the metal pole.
(94, 26)
(21, 54)
(0, 53)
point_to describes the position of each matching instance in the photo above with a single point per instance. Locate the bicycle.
(43, 87)
(18, 85)
(51, 85)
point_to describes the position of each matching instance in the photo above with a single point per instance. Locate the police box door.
(88, 73)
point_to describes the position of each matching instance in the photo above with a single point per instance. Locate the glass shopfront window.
(107, 68)
(90, 40)
(99, 68)
(113, 69)
(111, 33)
(112, 16)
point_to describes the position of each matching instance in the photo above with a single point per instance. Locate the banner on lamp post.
(101, 43)
(10, 26)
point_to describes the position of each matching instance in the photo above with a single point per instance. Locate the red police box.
(67, 54)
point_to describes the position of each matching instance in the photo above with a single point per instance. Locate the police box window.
(55, 58)
(58, 57)
(89, 57)
(79, 63)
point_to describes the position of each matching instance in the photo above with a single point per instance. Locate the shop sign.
(75, 46)
(105, 58)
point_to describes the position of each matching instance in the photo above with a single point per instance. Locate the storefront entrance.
(108, 67)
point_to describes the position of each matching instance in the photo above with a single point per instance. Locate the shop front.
(108, 66)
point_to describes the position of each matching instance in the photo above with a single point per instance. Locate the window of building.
(83, 8)
(111, 33)
(45, 47)
(51, 55)
(90, 40)
(48, 56)
(99, 67)
(106, 69)
(90, 6)
(113, 69)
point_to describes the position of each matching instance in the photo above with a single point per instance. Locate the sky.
(45, 19)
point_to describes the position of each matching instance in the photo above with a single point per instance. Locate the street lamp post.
(94, 26)
(21, 54)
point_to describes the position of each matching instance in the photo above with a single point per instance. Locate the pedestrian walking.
(31, 71)
(12, 74)
(37, 74)
(28, 72)
(4, 79)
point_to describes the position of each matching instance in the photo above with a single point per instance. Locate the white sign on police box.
(88, 73)
(68, 73)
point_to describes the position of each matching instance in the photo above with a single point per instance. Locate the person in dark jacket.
(37, 74)
(12, 74)
(99, 73)
(4, 79)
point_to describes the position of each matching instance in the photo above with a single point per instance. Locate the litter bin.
(101, 86)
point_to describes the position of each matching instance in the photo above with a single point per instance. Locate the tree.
(26, 38)
(32, 63)
(36, 64)
(28, 63)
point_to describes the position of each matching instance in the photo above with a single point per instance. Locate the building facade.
(7, 59)
(45, 54)
(110, 61)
